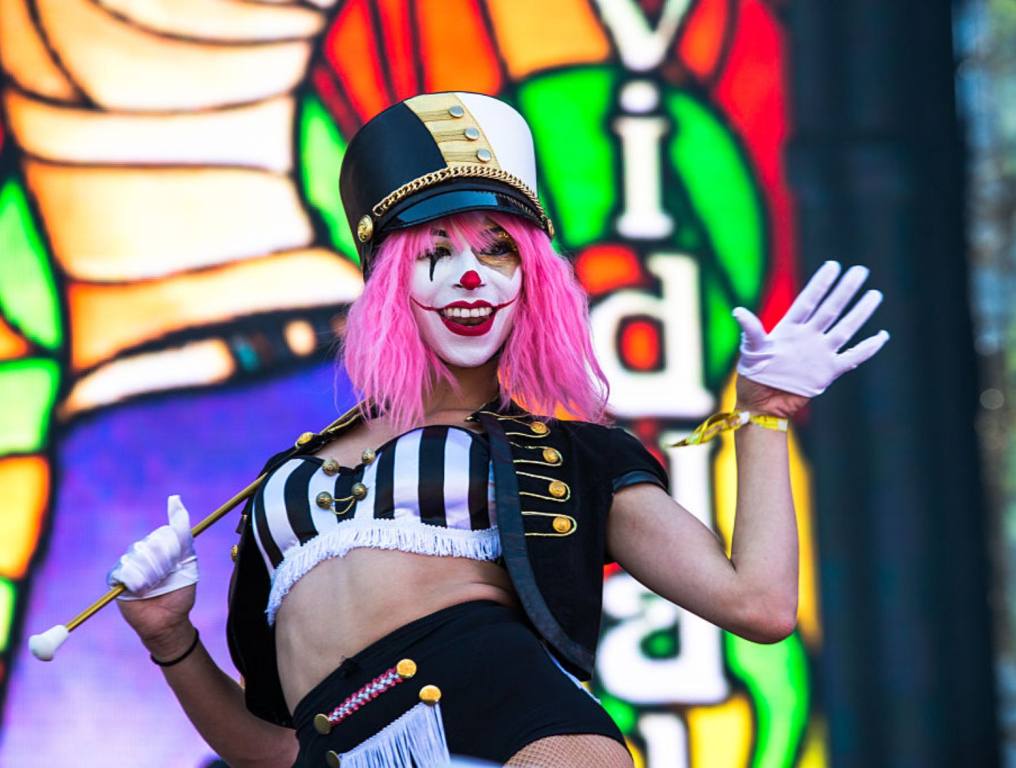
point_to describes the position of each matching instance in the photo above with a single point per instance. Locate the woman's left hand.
(779, 371)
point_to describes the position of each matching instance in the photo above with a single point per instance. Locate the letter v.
(640, 47)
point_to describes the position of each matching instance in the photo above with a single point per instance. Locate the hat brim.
(457, 196)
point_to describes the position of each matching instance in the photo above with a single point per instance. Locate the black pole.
(877, 168)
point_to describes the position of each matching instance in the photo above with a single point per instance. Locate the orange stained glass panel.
(26, 58)
(530, 37)
(11, 343)
(350, 50)
(24, 493)
(603, 268)
(110, 318)
(107, 224)
(120, 65)
(221, 20)
(640, 345)
(455, 48)
(398, 36)
(701, 42)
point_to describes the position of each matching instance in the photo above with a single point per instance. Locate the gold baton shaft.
(116, 591)
(243, 495)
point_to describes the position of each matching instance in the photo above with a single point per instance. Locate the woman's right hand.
(160, 572)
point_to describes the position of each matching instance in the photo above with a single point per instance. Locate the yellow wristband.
(729, 422)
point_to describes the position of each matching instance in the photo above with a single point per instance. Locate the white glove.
(801, 354)
(162, 562)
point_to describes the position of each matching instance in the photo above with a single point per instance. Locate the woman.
(423, 577)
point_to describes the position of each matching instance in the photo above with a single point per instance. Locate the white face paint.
(465, 300)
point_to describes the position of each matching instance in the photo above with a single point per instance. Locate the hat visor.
(442, 201)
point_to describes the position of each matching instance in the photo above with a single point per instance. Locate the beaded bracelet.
(724, 422)
(181, 657)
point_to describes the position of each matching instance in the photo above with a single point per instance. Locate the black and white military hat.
(433, 155)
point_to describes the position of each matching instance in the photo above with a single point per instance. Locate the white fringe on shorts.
(414, 740)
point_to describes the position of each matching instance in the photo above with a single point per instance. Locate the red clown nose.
(470, 280)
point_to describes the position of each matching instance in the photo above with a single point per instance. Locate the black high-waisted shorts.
(499, 688)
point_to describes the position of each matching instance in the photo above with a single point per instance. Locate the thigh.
(571, 750)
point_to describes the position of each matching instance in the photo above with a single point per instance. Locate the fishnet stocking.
(572, 751)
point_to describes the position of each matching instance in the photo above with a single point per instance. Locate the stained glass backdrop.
(174, 266)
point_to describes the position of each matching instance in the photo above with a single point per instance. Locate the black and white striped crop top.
(428, 491)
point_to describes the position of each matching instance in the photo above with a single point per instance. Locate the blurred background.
(175, 266)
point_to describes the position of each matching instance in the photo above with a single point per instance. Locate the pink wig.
(547, 363)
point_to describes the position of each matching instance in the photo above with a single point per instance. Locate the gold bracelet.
(729, 422)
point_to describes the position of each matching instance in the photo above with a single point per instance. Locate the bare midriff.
(344, 604)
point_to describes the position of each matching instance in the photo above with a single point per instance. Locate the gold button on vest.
(430, 694)
(324, 500)
(330, 467)
(539, 428)
(359, 491)
(322, 724)
(557, 489)
(562, 524)
(551, 456)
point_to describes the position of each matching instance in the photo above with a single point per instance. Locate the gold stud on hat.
(455, 110)
(484, 155)
(365, 228)
(472, 133)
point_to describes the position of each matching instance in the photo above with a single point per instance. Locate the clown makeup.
(464, 294)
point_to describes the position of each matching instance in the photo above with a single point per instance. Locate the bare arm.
(214, 703)
(754, 592)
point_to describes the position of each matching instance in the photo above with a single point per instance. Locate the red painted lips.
(454, 325)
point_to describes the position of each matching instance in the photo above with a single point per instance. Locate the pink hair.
(546, 365)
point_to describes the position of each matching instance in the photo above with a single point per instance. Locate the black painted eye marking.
(434, 255)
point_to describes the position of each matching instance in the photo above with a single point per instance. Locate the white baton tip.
(44, 646)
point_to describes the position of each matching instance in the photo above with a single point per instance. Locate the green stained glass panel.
(724, 333)
(321, 150)
(27, 391)
(719, 186)
(621, 712)
(776, 677)
(568, 112)
(28, 295)
(7, 595)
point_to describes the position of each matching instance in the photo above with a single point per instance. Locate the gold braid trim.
(464, 171)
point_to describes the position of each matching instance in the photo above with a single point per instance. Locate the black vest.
(553, 480)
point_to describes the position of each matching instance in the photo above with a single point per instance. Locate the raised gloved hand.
(163, 561)
(801, 354)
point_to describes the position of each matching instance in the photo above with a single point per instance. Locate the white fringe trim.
(408, 535)
(414, 740)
